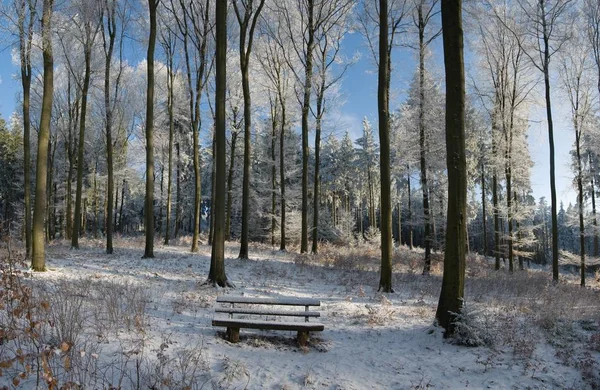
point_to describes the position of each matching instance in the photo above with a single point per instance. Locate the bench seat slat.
(235, 310)
(272, 325)
(270, 301)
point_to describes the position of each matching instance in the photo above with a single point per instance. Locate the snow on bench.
(233, 325)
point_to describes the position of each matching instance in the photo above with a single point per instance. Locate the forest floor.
(146, 323)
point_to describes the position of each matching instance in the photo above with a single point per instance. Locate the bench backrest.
(269, 301)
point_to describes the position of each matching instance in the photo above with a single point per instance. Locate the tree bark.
(38, 262)
(247, 23)
(81, 147)
(149, 201)
(451, 296)
(217, 275)
(25, 41)
(422, 146)
(385, 281)
(234, 136)
(111, 29)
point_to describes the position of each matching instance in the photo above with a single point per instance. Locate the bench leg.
(302, 338)
(233, 335)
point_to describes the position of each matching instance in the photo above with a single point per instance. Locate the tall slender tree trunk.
(308, 74)
(247, 23)
(81, 147)
(234, 136)
(273, 170)
(484, 216)
(410, 221)
(594, 218)
(451, 296)
(385, 281)
(111, 23)
(170, 104)
(577, 126)
(25, 41)
(317, 177)
(216, 274)
(178, 191)
(422, 146)
(38, 262)
(282, 173)
(149, 201)
(495, 207)
(546, 69)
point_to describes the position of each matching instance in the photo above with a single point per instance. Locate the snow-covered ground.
(146, 323)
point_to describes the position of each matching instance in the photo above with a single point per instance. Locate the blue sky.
(359, 93)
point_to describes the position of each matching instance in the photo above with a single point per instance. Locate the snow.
(370, 341)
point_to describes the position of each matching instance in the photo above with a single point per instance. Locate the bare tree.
(149, 200)
(574, 66)
(425, 10)
(247, 17)
(216, 274)
(299, 23)
(169, 43)
(88, 26)
(451, 296)
(193, 22)
(385, 282)
(327, 50)
(274, 65)
(547, 30)
(109, 38)
(38, 262)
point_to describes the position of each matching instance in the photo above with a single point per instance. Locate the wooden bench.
(253, 316)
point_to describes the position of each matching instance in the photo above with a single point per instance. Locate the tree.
(169, 44)
(38, 261)
(26, 12)
(247, 22)
(109, 36)
(574, 67)
(425, 11)
(192, 19)
(88, 27)
(297, 33)
(327, 50)
(149, 200)
(385, 282)
(451, 296)
(216, 274)
(546, 32)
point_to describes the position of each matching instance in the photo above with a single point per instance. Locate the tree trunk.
(484, 216)
(451, 296)
(422, 146)
(178, 192)
(308, 74)
(273, 171)
(577, 126)
(25, 41)
(282, 173)
(38, 262)
(594, 218)
(81, 147)
(410, 221)
(495, 207)
(170, 104)
(149, 201)
(234, 136)
(546, 63)
(247, 24)
(385, 281)
(217, 275)
(111, 22)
